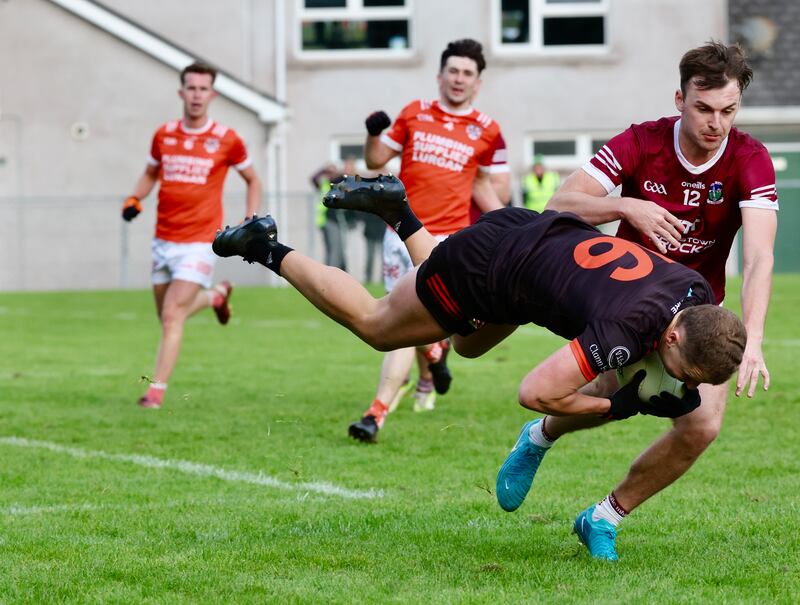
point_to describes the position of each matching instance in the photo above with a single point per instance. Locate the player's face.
(706, 118)
(459, 82)
(678, 368)
(197, 92)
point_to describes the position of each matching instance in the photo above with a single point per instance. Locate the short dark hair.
(466, 47)
(713, 342)
(713, 65)
(198, 67)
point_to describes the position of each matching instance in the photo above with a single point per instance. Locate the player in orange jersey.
(449, 153)
(190, 157)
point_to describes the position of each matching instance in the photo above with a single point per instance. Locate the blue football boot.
(598, 536)
(516, 475)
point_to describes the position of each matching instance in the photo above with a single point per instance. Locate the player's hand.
(625, 402)
(651, 220)
(668, 405)
(750, 369)
(377, 122)
(131, 208)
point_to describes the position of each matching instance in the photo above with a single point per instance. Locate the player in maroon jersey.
(688, 184)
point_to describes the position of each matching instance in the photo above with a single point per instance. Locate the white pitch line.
(195, 468)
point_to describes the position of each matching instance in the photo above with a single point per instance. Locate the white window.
(563, 152)
(550, 27)
(352, 147)
(353, 28)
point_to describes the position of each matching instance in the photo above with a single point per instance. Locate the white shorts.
(396, 261)
(192, 262)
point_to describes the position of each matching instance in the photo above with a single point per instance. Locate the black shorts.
(455, 283)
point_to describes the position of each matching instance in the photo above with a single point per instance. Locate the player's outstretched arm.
(758, 240)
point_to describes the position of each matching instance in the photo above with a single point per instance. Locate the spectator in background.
(539, 185)
(333, 223)
(374, 229)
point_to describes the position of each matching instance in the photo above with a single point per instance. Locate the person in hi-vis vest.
(539, 185)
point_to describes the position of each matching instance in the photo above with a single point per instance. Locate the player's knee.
(172, 316)
(697, 436)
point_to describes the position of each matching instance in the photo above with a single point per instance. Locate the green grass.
(273, 393)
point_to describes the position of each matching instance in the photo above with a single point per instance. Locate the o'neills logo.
(618, 357)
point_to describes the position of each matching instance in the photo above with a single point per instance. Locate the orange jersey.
(192, 168)
(441, 155)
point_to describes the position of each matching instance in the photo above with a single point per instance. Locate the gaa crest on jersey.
(449, 126)
(474, 132)
(211, 145)
(715, 193)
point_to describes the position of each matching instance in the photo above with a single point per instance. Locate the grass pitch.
(244, 488)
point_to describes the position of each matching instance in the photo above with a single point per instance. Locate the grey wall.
(56, 71)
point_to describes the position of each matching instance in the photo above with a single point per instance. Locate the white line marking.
(195, 468)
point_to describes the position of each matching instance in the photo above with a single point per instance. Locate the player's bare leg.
(394, 375)
(175, 302)
(675, 451)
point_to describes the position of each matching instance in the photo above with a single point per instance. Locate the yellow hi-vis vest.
(322, 216)
(537, 194)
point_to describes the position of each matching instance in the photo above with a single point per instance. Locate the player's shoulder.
(745, 144)
(168, 128)
(489, 125)
(221, 131)
(655, 128)
(416, 106)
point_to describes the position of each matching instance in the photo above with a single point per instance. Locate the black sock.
(274, 256)
(406, 224)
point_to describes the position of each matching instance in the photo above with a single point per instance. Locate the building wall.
(59, 74)
(79, 109)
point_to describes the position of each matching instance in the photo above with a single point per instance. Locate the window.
(563, 152)
(352, 146)
(352, 28)
(551, 26)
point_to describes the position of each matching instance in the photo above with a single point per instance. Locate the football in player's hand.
(656, 380)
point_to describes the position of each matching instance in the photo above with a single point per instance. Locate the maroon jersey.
(647, 161)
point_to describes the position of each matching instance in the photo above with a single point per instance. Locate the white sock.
(610, 510)
(537, 436)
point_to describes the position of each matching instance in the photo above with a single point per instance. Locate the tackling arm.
(758, 241)
(586, 197)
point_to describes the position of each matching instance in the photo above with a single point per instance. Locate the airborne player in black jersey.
(614, 300)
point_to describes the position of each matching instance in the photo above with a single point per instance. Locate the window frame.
(564, 163)
(539, 11)
(339, 141)
(353, 11)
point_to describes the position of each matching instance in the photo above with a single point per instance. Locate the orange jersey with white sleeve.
(442, 152)
(192, 165)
